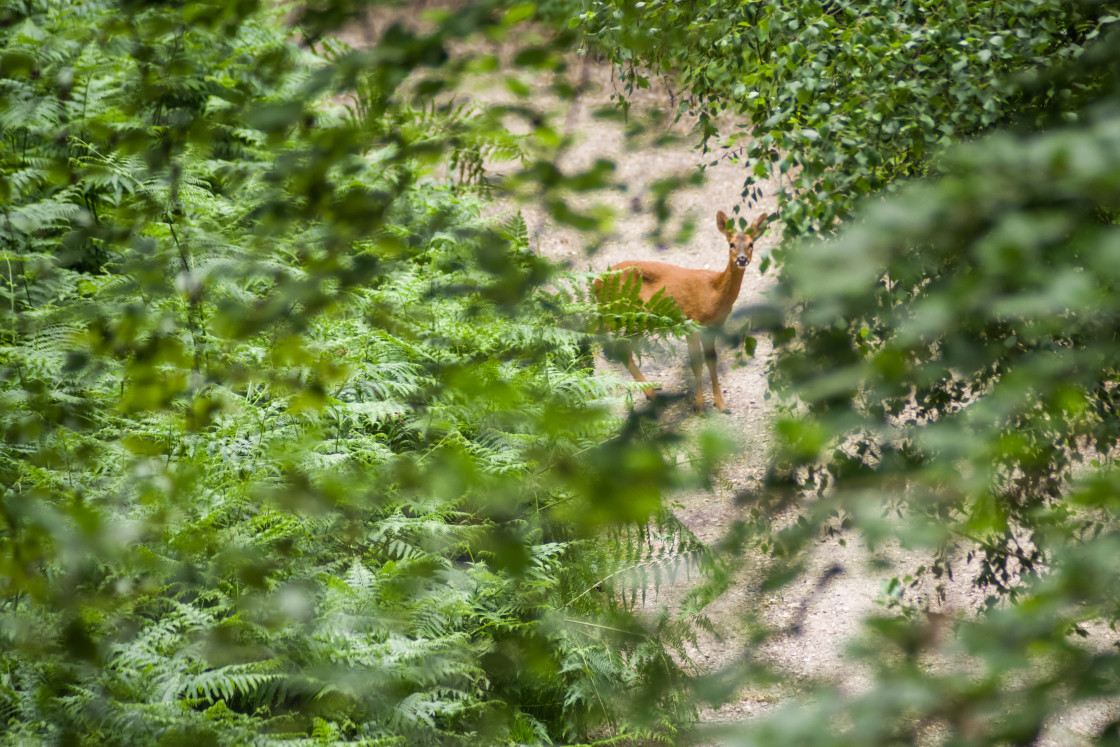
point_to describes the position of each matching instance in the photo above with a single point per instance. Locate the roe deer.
(705, 296)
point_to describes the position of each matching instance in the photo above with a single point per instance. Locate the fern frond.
(623, 312)
(229, 682)
(514, 230)
(54, 212)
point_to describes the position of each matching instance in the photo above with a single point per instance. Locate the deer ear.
(756, 227)
(721, 221)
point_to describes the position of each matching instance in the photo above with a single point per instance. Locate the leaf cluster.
(838, 100)
(951, 382)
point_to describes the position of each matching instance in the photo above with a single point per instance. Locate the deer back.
(695, 291)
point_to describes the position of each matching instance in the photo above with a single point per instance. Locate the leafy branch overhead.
(842, 99)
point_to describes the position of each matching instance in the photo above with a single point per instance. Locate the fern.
(55, 213)
(623, 312)
(229, 683)
(298, 444)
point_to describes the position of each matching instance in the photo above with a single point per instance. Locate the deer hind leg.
(710, 357)
(697, 363)
(650, 391)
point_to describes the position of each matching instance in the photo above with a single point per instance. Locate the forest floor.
(821, 614)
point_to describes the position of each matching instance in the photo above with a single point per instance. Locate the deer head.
(741, 244)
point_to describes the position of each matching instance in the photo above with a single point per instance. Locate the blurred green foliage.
(953, 359)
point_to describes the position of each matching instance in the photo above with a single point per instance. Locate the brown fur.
(705, 296)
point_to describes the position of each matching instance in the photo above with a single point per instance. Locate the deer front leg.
(697, 363)
(710, 357)
(650, 391)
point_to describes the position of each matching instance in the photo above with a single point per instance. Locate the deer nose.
(742, 260)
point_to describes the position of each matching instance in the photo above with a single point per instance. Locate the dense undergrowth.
(300, 443)
(297, 447)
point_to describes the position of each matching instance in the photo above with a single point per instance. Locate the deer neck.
(727, 285)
